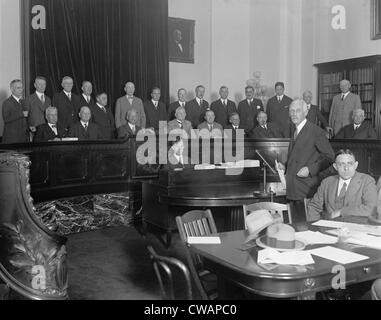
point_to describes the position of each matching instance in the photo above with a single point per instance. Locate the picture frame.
(376, 19)
(181, 40)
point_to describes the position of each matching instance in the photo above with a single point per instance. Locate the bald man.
(128, 102)
(309, 153)
(84, 129)
(342, 107)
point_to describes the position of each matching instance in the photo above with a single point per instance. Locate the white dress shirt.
(87, 98)
(300, 126)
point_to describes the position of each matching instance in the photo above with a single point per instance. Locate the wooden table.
(235, 266)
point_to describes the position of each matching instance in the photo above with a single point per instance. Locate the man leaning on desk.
(350, 193)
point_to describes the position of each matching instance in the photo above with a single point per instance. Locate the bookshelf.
(365, 76)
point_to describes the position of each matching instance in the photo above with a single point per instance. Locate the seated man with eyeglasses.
(350, 193)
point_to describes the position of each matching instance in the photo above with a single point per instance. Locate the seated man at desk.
(209, 128)
(179, 123)
(84, 129)
(359, 129)
(130, 128)
(234, 126)
(350, 193)
(264, 129)
(50, 131)
(176, 157)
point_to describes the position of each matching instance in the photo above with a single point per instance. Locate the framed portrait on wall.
(181, 40)
(376, 19)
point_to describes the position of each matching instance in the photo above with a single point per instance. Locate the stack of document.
(338, 255)
(296, 258)
(353, 227)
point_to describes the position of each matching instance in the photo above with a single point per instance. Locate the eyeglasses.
(343, 164)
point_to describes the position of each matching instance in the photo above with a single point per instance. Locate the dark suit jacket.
(37, 109)
(15, 124)
(78, 131)
(83, 102)
(195, 113)
(360, 197)
(44, 133)
(153, 115)
(125, 131)
(105, 121)
(67, 110)
(221, 112)
(310, 149)
(248, 113)
(260, 133)
(314, 115)
(278, 114)
(365, 131)
(229, 130)
(172, 110)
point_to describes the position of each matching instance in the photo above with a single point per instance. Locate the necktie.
(133, 129)
(279, 99)
(54, 127)
(342, 97)
(180, 124)
(210, 127)
(85, 126)
(201, 102)
(88, 99)
(104, 109)
(224, 103)
(155, 105)
(341, 197)
(42, 98)
(295, 134)
(69, 96)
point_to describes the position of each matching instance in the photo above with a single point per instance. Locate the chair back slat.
(195, 223)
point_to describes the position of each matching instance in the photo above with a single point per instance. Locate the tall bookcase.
(365, 76)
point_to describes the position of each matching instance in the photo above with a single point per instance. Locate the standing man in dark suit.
(51, 130)
(223, 107)
(84, 129)
(181, 102)
(37, 104)
(314, 115)
(309, 153)
(103, 117)
(264, 129)
(278, 110)
(197, 107)
(85, 98)
(342, 107)
(248, 109)
(67, 103)
(14, 116)
(155, 110)
(359, 129)
(129, 129)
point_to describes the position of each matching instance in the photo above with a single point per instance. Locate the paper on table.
(361, 239)
(337, 255)
(299, 258)
(376, 230)
(204, 167)
(311, 237)
(204, 240)
(281, 175)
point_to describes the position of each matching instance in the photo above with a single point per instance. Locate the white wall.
(10, 48)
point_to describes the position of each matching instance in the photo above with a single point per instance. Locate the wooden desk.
(239, 267)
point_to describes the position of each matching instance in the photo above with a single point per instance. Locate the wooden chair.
(276, 209)
(162, 265)
(192, 224)
(376, 290)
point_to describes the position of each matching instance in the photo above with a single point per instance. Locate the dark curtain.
(107, 42)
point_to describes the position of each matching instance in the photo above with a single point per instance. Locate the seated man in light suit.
(359, 129)
(349, 193)
(180, 123)
(209, 128)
